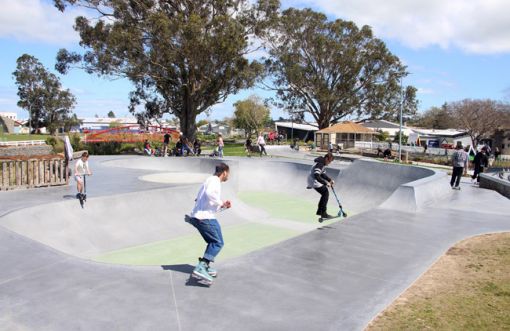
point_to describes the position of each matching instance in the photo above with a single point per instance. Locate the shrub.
(75, 140)
(56, 144)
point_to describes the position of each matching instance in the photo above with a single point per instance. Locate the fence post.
(18, 173)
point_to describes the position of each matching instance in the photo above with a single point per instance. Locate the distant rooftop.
(305, 127)
(347, 127)
(381, 124)
(437, 132)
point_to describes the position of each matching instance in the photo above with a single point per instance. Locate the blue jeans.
(220, 151)
(211, 232)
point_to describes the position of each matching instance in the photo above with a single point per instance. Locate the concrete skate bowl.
(271, 204)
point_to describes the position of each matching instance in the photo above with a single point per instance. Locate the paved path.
(337, 277)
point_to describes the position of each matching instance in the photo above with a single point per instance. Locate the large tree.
(183, 56)
(480, 118)
(333, 69)
(251, 115)
(435, 118)
(42, 95)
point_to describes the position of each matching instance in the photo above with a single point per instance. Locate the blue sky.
(453, 51)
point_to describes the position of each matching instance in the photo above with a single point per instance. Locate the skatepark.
(123, 262)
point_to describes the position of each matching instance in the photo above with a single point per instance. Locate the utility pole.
(400, 132)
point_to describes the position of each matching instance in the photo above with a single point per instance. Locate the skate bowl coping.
(124, 220)
(493, 182)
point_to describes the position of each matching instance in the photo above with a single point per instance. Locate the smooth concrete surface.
(332, 277)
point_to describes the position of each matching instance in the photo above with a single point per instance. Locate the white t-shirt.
(81, 167)
(208, 200)
(261, 141)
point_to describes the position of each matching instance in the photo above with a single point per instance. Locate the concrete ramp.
(121, 221)
(336, 276)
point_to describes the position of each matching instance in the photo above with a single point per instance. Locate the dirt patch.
(468, 288)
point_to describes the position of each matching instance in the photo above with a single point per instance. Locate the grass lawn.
(234, 150)
(466, 289)
(20, 137)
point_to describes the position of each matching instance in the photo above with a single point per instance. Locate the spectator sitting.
(197, 147)
(387, 153)
(178, 148)
(147, 148)
(186, 147)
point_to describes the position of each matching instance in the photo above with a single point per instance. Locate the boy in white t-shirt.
(207, 204)
(81, 168)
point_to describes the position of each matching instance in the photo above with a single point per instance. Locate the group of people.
(274, 137)
(460, 161)
(182, 147)
(261, 143)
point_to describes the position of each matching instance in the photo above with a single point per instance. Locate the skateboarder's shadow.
(185, 269)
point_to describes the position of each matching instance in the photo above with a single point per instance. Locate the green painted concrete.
(239, 240)
(286, 206)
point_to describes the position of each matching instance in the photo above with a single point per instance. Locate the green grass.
(234, 150)
(467, 289)
(21, 137)
(239, 240)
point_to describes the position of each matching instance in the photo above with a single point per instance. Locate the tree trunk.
(187, 120)
(323, 121)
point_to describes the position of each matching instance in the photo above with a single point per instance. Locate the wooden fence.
(16, 174)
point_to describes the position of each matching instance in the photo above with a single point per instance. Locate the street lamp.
(400, 132)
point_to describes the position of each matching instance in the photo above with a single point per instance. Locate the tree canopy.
(435, 118)
(251, 115)
(42, 95)
(182, 56)
(480, 118)
(333, 69)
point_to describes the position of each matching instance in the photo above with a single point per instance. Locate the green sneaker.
(200, 271)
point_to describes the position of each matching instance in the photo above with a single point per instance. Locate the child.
(81, 168)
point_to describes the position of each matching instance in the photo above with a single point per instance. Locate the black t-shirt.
(248, 142)
(166, 138)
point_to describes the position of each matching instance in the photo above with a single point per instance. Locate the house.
(218, 127)
(103, 123)
(345, 134)
(501, 140)
(10, 115)
(291, 130)
(386, 126)
(447, 138)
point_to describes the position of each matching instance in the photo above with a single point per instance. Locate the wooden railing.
(16, 174)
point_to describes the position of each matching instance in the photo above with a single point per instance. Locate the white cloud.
(425, 90)
(475, 26)
(37, 20)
